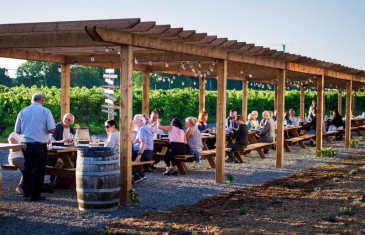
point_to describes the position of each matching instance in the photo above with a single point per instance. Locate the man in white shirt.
(293, 119)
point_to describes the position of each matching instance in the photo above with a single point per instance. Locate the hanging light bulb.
(159, 78)
(118, 52)
(183, 83)
(42, 71)
(92, 58)
(250, 75)
(213, 64)
(178, 73)
(241, 71)
(199, 65)
(208, 72)
(163, 80)
(167, 64)
(136, 60)
(193, 70)
(106, 49)
(6, 72)
(172, 82)
(194, 83)
(183, 66)
(24, 74)
(59, 69)
(150, 62)
(211, 68)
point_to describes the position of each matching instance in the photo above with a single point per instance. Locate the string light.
(6, 72)
(241, 71)
(136, 60)
(182, 83)
(199, 65)
(106, 49)
(24, 74)
(150, 62)
(167, 64)
(92, 58)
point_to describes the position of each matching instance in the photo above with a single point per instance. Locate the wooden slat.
(65, 89)
(146, 93)
(280, 119)
(156, 30)
(348, 114)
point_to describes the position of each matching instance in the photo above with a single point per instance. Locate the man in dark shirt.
(241, 136)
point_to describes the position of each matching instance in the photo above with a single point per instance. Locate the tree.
(86, 76)
(38, 73)
(4, 79)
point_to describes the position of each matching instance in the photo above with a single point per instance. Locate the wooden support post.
(125, 120)
(221, 118)
(244, 99)
(320, 111)
(276, 97)
(65, 89)
(339, 101)
(280, 89)
(348, 113)
(202, 87)
(302, 103)
(354, 104)
(146, 93)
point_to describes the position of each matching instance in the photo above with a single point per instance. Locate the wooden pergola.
(120, 43)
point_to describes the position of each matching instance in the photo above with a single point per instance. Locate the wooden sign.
(109, 91)
(110, 97)
(109, 70)
(109, 101)
(111, 112)
(109, 81)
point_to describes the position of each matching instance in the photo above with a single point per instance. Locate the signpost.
(109, 107)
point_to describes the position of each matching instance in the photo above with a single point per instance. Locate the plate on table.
(57, 147)
(82, 145)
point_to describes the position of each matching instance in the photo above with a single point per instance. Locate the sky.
(329, 30)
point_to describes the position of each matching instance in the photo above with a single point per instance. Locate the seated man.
(293, 119)
(241, 137)
(64, 132)
(231, 120)
(267, 133)
(142, 145)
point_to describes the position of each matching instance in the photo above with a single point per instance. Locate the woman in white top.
(113, 135)
(16, 158)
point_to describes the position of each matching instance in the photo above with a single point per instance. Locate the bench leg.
(301, 144)
(182, 167)
(286, 147)
(238, 156)
(261, 153)
(210, 160)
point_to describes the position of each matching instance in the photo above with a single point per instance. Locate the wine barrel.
(97, 179)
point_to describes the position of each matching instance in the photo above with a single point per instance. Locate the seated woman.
(241, 137)
(252, 123)
(287, 120)
(16, 158)
(193, 137)
(336, 124)
(113, 135)
(177, 141)
(203, 128)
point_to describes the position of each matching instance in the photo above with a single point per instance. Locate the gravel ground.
(59, 214)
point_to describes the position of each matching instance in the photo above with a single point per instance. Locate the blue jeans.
(196, 155)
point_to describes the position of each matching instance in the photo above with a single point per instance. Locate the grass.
(229, 178)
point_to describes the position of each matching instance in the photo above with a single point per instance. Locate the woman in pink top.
(177, 144)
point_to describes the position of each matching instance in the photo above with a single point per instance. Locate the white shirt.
(19, 153)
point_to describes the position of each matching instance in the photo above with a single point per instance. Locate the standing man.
(35, 123)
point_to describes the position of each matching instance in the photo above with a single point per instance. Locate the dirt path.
(328, 199)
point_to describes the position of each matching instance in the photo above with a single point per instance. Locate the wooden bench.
(210, 154)
(258, 147)
(353, 129)
(328, 134)
(181, 159)
(9, 167)
(141, 163)
(297, 139)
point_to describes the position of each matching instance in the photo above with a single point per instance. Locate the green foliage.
(262, 206)
(4, 79)
(326, 152)
(331, 218)
(361, 138)
(354, 143)
(229, 178)
(346, 211)
(243, 209)
(134, 196)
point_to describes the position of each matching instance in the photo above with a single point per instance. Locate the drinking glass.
(93, 138)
